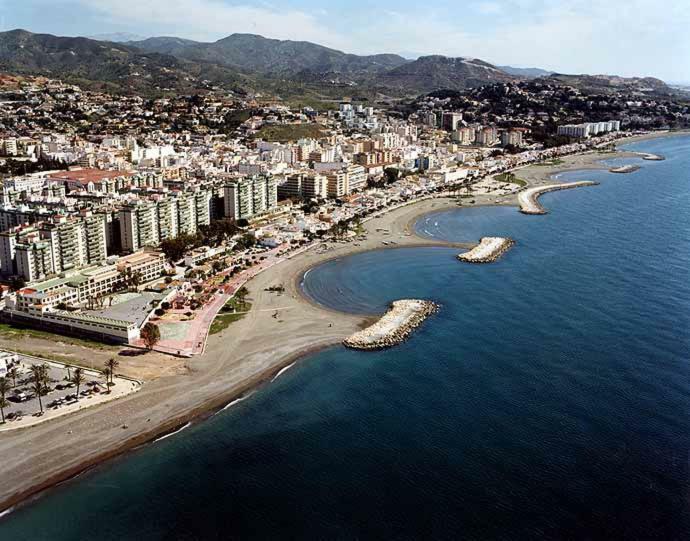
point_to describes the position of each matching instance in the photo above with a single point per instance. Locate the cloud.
(626, 37)
(580, 36)
(214, 19)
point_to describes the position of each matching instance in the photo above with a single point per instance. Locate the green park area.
(511, 178)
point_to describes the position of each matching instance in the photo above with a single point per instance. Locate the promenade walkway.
(194, 339)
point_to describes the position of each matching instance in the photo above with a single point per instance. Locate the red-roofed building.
(92, 180)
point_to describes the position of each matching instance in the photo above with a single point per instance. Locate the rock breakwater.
(624, 169)
(394, 327)
(488, 250)
(528, 199)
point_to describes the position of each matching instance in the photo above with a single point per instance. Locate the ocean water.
(548, 399)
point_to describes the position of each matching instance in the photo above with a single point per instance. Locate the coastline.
(246, 355)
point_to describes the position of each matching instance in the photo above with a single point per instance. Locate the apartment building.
(337, 183)
(202, 207)
(95, 237)
(34, 261)
(249, 197)
(306, 185)
(168, 225)
(186, 213)
(139, 226)
(356, 178)
(512, 137)
(583, 131)
(486, 136)
(450, 121)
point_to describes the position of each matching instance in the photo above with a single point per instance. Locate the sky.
(622, 37)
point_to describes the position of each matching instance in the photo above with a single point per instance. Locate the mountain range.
(252, 63)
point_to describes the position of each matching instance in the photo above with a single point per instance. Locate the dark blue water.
(549, 399)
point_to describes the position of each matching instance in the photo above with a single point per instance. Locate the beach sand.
(249, 352)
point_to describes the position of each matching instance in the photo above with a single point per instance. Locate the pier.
(488, 250)
(403, 317)
(528, 199)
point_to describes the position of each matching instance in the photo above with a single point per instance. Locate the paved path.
(194, 341)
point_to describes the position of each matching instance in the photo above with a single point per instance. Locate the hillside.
(606, 84)
(272, 57)
(297, 71)
(527, 73)
(104, 65)
(429, 73)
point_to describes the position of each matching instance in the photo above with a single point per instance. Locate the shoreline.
(221, 375)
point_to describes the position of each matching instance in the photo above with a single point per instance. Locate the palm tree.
(13, 373)
(78, 378)
(112, 364)
(39, 384)
(4, 389)
(107, 372)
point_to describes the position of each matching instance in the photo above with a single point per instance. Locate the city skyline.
(631, 39)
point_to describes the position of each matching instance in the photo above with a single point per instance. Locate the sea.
(548, 399)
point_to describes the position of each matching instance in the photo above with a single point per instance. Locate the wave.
(283, 370)
(173, 432)
(236, 401)
(304, 277)
(6, 512)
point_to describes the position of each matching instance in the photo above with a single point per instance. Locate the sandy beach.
(249, 352)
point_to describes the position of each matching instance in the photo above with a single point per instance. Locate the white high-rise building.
(139, 226)
(250, 197)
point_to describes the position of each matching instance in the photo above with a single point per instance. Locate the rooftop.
(84, 176)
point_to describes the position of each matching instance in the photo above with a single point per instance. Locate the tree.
(111, 364)
(78, 378)
(175, 248)
(150, 334)
(136, 279)
(391, 174)
(241, 295)
(13, 373)
(4, 389)
(246, 241)
(108, 373)
(39, 384)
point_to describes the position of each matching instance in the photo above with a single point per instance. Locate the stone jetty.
(624, 169)
(395, 325)
(488, 250)
(528, 199)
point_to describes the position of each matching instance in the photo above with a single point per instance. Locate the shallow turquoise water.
(549, 398)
